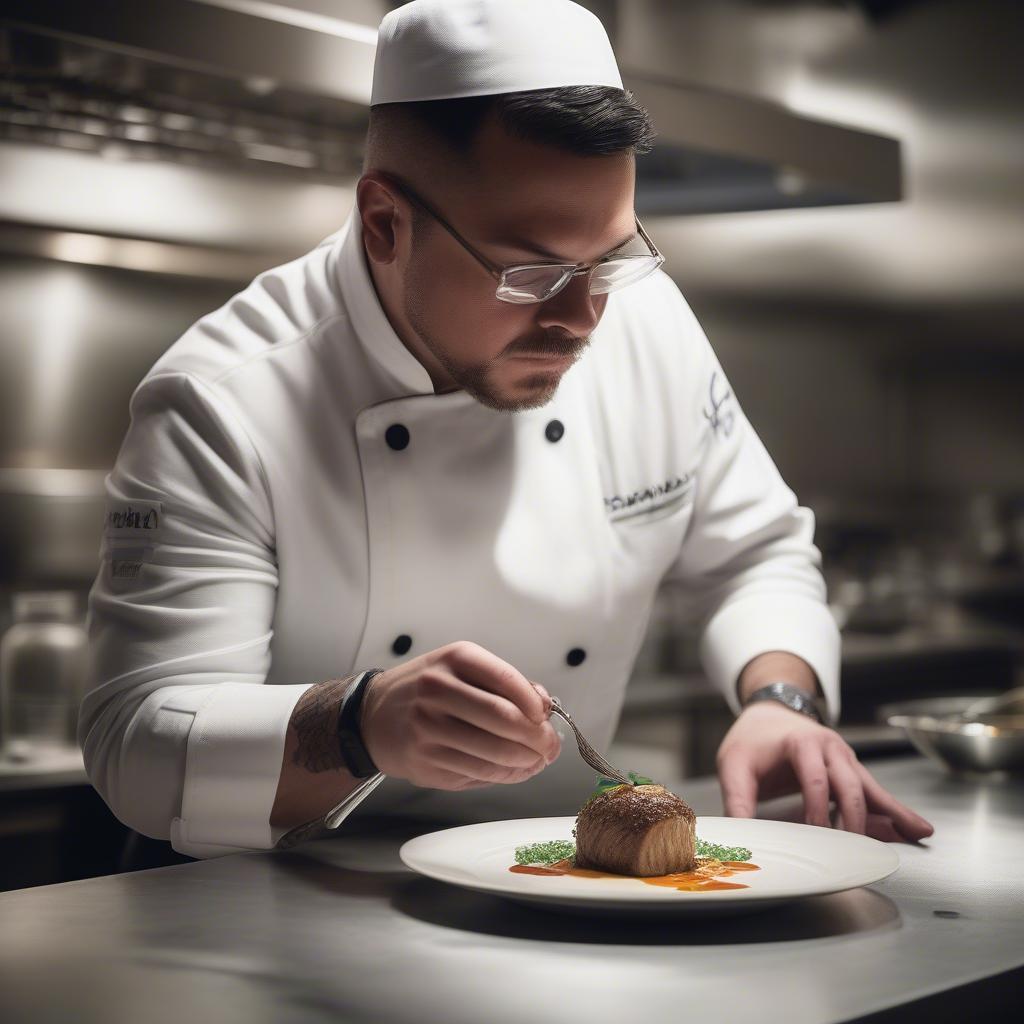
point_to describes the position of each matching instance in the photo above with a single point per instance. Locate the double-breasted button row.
(402, 644)
(397, 435)
(397, 438)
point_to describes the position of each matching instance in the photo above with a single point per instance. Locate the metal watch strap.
(792, 696)
(353, 749)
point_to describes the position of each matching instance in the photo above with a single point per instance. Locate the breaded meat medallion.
(636, 830)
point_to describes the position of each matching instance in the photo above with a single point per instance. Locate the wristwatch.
(353, 749)
(792, 696)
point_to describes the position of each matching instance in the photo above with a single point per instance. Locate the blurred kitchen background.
(838, 188)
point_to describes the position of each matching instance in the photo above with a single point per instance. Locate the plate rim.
(708, 898)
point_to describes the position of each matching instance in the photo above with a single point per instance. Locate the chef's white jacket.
(262, 535)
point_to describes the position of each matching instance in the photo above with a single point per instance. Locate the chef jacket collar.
(370, 321)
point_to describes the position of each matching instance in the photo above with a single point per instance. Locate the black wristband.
(353, 750)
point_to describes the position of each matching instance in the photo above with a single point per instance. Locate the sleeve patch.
(127, 563)
(138, 521)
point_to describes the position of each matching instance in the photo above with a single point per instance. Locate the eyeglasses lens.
(532, 284)
(536, 284)
(607, 277)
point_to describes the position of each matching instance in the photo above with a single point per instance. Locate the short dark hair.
(589, 120)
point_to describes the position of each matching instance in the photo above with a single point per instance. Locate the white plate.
(795, 860)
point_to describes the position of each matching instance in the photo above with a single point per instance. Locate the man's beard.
(532, 392)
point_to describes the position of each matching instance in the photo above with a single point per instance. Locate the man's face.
(523, 203)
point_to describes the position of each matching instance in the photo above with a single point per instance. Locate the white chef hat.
(441, 49)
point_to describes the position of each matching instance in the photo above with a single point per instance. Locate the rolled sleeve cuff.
(233, 765)
(745, 628)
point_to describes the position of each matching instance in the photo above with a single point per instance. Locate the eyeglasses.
(524, 283)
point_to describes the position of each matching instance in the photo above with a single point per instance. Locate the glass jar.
(42, 672)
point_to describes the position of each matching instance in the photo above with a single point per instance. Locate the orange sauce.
(684, 881)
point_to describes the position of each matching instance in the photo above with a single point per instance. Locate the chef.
(376, 509)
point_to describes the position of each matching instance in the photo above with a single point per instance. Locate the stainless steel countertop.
(339, 930)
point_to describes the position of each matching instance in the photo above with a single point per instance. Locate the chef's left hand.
(771, 751)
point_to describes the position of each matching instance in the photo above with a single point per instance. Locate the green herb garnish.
(604, 783)
(706, 849)
(545, 853)
(562, 849)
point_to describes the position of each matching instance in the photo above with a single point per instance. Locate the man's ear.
(382, 217)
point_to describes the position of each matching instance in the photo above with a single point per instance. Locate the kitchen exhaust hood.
(269, 85)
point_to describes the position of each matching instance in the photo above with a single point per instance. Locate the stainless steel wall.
(877, 348)
(74, 342)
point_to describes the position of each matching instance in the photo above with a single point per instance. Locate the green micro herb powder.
(705, 849)
(545, 853)
(561, 849)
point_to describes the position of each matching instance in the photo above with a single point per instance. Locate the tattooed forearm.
(315, 721)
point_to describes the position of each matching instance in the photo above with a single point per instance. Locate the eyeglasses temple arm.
(491, 268)
(655, 251)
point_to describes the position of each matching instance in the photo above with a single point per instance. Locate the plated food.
(796, 861)
(639, 830)
(646, 827)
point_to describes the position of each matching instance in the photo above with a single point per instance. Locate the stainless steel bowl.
(947, 706)
(974, 740)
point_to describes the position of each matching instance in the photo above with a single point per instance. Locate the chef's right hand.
(458, 718)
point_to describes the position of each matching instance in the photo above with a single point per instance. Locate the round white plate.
(795, 860)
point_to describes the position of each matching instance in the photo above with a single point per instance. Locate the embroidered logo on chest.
(672, 491)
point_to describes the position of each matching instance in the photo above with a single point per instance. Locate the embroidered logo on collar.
(718, 419)
(672, 492)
